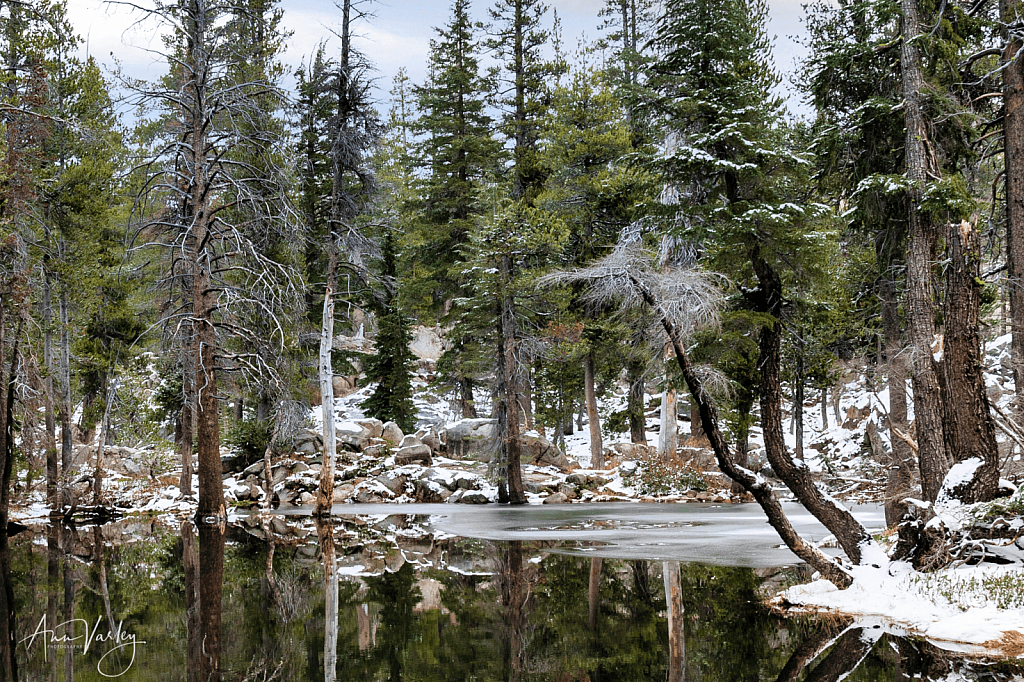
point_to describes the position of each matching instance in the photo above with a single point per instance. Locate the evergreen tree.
(392, 366)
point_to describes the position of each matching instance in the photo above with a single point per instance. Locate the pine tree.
(392, 366)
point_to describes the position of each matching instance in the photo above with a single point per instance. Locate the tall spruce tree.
(392, 366)
(733, 184)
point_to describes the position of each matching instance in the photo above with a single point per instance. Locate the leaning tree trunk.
(753, 483)
(1013, 157)
(970, 433)
(593, 419)
(920, 304)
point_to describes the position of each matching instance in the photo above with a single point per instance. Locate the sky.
(399, 35)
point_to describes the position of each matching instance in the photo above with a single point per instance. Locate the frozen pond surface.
(719, 534)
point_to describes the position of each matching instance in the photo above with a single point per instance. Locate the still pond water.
(419, 592)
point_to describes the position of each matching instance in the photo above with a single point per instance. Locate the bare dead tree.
(682, 301)
(210, 177)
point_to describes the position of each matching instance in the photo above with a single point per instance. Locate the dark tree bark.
(852, 648)
(920, 304)
(1013, 157)
(594, 592)
(466, 402)
(514, 594)
(635, 403)
(798, 396)
(190, 566)
(969, 431)
(511, 446)
(211, 583)
(676, 622)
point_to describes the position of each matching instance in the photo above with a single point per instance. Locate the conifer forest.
(557, 268)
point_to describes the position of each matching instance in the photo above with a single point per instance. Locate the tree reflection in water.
(418, 610)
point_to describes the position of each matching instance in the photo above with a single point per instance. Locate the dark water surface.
(416, 594)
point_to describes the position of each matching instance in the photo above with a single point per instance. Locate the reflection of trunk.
(98, 547)
(8, 622)
(190, 566)
(844, 657)
(514, 594)
(667, 442)
(68, 546)
(808, 650)
(676, 633)
(52, 584)
(211, 582)
(364, 626)
(325, 532)
(635, 403)
(596, 447)
(594, 591)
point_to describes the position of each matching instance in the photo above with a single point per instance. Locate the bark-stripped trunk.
(325, 492)
(676, 620)
(593, 419)
(969, 431)
(635, 403)
(1013, 157)
(97, 483)
(920, 304)
(668, 439)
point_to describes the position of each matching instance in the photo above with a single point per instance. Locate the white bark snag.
(667, 438)
(97, 484)
(325, 494)
(593, 419)
(676, 634)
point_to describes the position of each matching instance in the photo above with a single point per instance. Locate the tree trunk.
(668, 441)
(696, 430)
(920, 304)
(466, 402)
(188, 428)
(824, 408)
(970, 433)
(752, 483)
(850, 534)
(51, 423)
(593, 419)
(97, 483)
(676, 620)
(325, 492)
(508, 408)
(1013, 157)
(64, 374)
(635, 403)
(798, 396)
